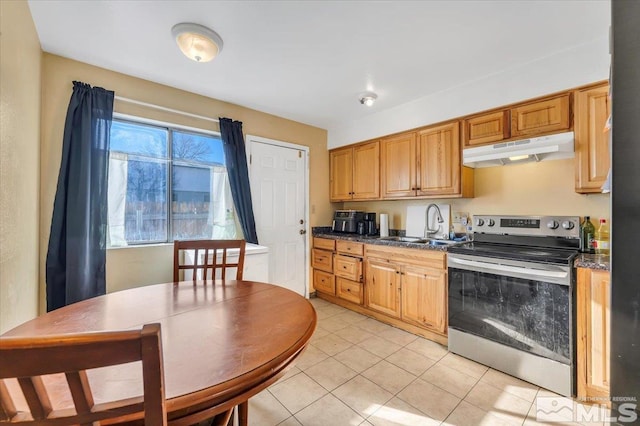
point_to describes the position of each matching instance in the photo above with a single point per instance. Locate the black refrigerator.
(625, 200)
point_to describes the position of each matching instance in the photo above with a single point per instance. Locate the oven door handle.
(506, 268)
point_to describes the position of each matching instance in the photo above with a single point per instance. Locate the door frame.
(305, 150)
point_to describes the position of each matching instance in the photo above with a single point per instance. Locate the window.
(149, 165)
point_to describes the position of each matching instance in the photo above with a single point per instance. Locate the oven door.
(524, 305)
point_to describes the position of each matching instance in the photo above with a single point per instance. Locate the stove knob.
(491, 222)
(479, 222)
(552, 224)
(567, 224)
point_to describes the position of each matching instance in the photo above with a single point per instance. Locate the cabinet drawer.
(425, 258)
(348, 247)
(322, 259)
(324, 243)
(324, 282)
(349, 290)
(348, 267)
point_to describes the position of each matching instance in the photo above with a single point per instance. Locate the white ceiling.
(309, 60)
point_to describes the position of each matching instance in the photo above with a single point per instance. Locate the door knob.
(303, 231)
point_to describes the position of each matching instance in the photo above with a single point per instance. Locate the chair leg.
(243, 413)
(222, 419)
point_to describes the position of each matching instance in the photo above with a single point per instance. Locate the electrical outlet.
(460, 217)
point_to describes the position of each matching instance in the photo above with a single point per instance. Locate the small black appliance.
(370, 224)
(347, 220)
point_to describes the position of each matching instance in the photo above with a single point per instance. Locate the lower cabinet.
(383, 286)
(406, 288)
(408, 284)
(337, 268)
(593, 334)
(424, 297)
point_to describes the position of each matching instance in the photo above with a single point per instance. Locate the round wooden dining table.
(223, 341)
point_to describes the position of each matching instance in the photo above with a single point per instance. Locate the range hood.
(552, 147)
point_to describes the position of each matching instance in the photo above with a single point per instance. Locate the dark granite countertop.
(583, 260)
(325, 232)
(593, 261)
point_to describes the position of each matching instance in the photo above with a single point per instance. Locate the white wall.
(584, 64)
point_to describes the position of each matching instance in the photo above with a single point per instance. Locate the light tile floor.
(359, 371)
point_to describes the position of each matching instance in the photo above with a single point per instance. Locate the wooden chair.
(27, 359)
(205, 258)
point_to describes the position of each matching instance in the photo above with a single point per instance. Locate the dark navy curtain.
(235, 157)
(75, 268)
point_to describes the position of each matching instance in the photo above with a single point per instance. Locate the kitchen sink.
(405, 239)
(429, 241)
(445, 243)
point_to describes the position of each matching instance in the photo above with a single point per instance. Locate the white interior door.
(278, 175)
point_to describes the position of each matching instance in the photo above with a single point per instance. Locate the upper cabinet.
(546, 116)
(528, 119)
(592, 108)
(341, 174)
(355, 172)
(439, 160)
(424, 163)
(486, 128)
(427, 162)
(398, 160)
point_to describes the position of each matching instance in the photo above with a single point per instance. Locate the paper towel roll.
(384, 225)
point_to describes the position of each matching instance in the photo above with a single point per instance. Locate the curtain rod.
(145, 104)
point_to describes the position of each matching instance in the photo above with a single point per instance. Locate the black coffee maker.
(370, 224)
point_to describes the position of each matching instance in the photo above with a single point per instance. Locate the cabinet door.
(366, 171)
(594, 319)
(341, 174)
(398, 166)
(439, 164)
(382, 287)
(486, 128)
(592, 141)
(424, 297)
(541, 117)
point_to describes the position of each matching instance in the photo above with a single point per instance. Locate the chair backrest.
(27, 359)
(208, 257)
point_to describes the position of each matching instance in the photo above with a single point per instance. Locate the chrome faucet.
(427, 230)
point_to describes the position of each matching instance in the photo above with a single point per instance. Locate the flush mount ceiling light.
(197, 42)
(368, 98)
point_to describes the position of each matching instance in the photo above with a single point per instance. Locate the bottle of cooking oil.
(587, 232)
(602, 238)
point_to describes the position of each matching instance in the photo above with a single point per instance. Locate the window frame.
(169, 127)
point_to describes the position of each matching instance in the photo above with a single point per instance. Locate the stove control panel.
(542, 226)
